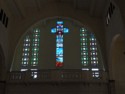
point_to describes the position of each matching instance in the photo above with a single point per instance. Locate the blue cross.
(59, 31)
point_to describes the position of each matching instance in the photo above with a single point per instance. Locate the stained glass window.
(35, 47)
(59, 30)
(84, 48)
(26, 51)
(28, 56)
(93, 51)
(89, 52)
(30, 52)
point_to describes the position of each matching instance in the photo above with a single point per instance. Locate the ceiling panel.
(83, 4)
(23, 8)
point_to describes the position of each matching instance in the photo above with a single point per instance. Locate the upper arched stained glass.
(29, 53)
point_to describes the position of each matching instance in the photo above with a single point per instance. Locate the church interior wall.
(116, 58)
(17, 27)
(117, 63)
(4, 38)
(58, 88)
(3, 47)
(114, 27)
(92, 24)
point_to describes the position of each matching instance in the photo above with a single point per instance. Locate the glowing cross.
(59, 30)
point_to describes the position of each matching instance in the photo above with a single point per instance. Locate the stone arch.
(117, 62)
(72, 21)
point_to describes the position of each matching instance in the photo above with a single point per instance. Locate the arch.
(65, 19)
(113, 43)
(2, 63)
(117, 64)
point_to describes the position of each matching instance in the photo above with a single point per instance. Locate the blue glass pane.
(59, 51)
(59, 59)
(59, 39)
(53, 30)
(59, 22)
(59, 45)
(66, 30)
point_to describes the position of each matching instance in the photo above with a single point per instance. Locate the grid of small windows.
(94, 56)
(93, 51)
(84, 47)
(89, 52)
(35, 47)
(26, 51)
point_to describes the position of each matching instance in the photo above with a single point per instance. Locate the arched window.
(57, 48)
